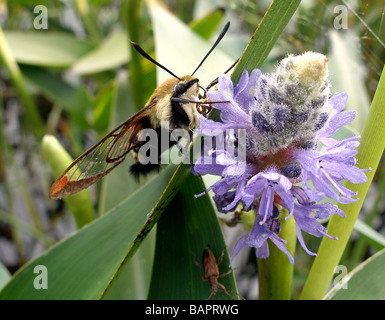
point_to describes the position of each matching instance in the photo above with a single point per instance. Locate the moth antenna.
(147, 56)
(222, 34)
(204, 90)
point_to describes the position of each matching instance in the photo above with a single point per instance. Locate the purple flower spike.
(257, 238)
(278, 139)
(268, 184)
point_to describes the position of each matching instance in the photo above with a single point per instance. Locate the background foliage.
(80, 78)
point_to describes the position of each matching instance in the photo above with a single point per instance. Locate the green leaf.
(152, 215)
(365, 282)
(78, 106)
(112, 53)
(207, 25)
(135, 275)
(84, 265)
(51, 49)
(186, 228)
(103, 102)
(264, 38)
(4, 275)
(51, 85)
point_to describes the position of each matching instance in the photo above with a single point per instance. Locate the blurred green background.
(68, 70)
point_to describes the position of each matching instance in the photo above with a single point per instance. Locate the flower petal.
(242, 83)
(238, 247)
(281, 246)
(338, 101)
(338, 121)
(302, 242)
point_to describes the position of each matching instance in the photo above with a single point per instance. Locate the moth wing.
(101, 158)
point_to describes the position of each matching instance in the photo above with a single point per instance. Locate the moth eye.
(180, 89)
(203, 109)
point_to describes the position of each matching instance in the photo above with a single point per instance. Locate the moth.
(172, 102)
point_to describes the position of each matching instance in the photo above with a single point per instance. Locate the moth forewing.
(101, 158)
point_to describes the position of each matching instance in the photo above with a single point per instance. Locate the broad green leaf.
(135, 276)
(112, 53)
(51, 85)
(186, 228)
(51, 49)
(152, 217)
(84, 265)
(182, 57)
(365, 282)
(208, 24)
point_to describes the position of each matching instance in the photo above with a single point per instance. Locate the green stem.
(89, 20)
(369, 154)
(361, 245)
(276, 272)
(132, 19)
(33, 119)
